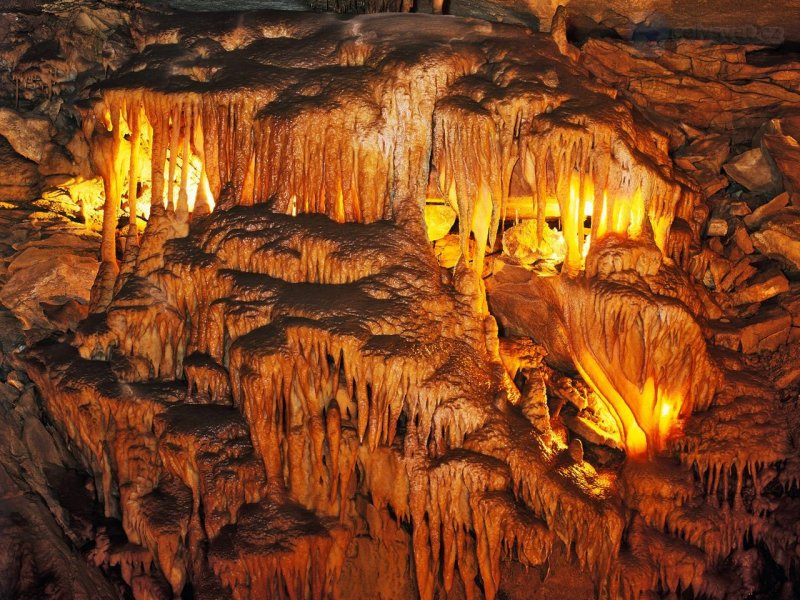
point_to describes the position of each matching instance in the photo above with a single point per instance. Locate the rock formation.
(458, 314)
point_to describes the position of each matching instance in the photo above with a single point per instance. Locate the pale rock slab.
(779, 237)
(753, 170)
(52, 272)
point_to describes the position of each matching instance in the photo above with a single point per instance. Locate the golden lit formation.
(156, 147)
(645, 414)
(400, 306)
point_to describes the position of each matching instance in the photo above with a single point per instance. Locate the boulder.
(448, 250)
(44, 272)
(56, 162)
(738, 273)
(439, 220)
(763, 286)
(741, 238)
(754, 171)
(587, 425)
(19, 179)
(717, 227)
(707, 153)
(779, 238)
(710, 184)
(785, 153)
(764, 332)
(709, 267)
(521, 243)
(527, 306)
(774, 206)
(27, 134)
(65, 316)
(739, 208)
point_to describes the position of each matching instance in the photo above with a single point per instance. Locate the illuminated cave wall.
(328, 136)
(333, 355)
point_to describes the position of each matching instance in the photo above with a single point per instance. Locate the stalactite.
(134, 120)
(262, 153)
(160, 125)
(174, 141)
(717, 454)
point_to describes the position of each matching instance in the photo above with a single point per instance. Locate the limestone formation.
(395, 306)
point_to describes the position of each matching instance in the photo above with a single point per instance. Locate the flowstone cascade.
(234, 109)
(279, 381)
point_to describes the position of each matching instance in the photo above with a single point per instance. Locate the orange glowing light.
(602, 218)
(620, 210)
(195, 183)
(636, 213)
(644, 417)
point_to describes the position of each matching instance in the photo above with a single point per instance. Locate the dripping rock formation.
(305, 305)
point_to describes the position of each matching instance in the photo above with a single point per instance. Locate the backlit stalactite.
(135, 123)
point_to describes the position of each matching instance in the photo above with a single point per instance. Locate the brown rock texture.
(701, 83)
(56, 270)
(314, 318)
(19, 179)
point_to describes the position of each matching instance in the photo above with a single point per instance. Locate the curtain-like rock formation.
(278, 368)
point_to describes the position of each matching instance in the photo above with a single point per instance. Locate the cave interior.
(485, 299)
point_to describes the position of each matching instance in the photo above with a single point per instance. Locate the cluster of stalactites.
(176, 149)
(372, 391)
(278, 550)
(469, 492)
(587, 171)
(242, 158)
(307, 169)
(145, 144)
(247, 155)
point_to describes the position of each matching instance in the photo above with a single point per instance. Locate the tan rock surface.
(27, 134)
(754, 170)
(54, 270)
(779, 237)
